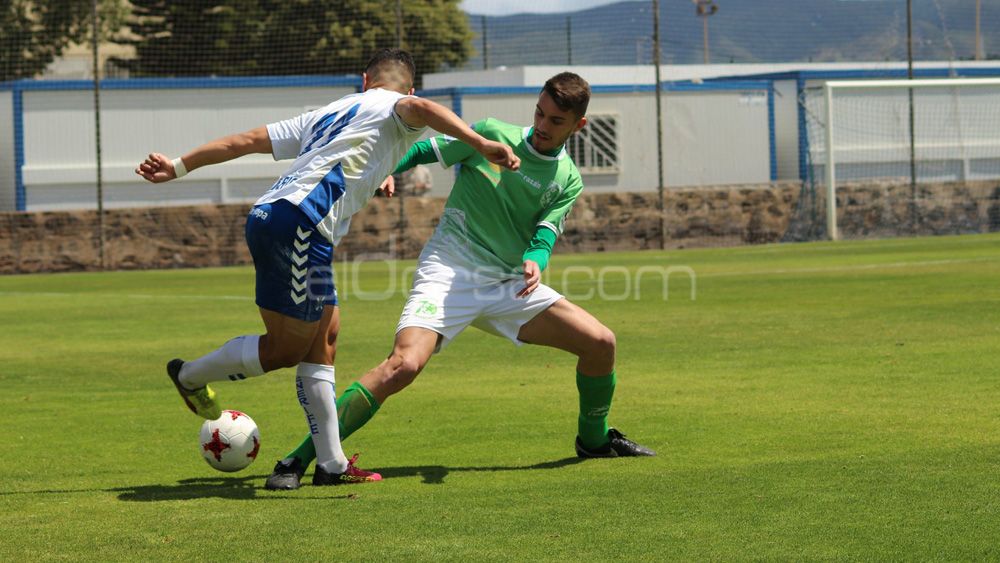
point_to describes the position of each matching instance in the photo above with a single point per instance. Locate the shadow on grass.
(435, 474)
(232, 488)
(249, 487)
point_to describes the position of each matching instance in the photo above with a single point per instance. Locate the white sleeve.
(286, 137)
(403, 126)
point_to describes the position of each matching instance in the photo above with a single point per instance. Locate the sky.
(508, 7)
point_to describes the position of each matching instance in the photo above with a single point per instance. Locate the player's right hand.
(157, 168)
(388, 187)
(499, 153)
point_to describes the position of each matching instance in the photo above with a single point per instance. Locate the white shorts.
(446, 298)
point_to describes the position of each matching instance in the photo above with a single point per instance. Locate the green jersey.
(492, 213)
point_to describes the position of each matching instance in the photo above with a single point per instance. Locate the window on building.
(595, 148)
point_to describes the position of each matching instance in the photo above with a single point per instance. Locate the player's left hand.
(388, 187)
(532, 277)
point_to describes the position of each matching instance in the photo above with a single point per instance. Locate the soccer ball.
(230, 442)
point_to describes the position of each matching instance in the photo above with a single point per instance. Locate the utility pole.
(661, 203)
(913, 143)
(95, 42)
(486, 47)
(979, 38)
(703, 9)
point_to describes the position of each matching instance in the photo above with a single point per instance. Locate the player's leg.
(288, 254)
(411, 351)
(316, 386)
(568, 327)
(289, 470)
(425, 325)
(440, 305)
(361, 400)
(356, 406)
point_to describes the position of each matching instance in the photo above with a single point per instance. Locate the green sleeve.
(540, 247)
(555, 215)
(450, 151)
(420, 153)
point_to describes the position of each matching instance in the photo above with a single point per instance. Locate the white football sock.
(315, 383)
(235, 360)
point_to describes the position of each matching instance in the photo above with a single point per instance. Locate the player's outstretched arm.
(159, 168)
(418, 112)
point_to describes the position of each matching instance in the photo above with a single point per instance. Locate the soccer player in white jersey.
(342, 153)
(482, 267)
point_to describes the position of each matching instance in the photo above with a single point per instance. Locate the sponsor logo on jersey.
(285, 180)
(529, 180)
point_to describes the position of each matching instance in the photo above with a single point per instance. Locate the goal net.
(892, 158)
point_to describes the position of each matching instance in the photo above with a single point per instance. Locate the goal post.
(886, 134)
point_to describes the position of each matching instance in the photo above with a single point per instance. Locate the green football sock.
(306, 452)
(355, 407)
(595, 403)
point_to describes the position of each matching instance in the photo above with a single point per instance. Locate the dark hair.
(569, 91)
(386, 62)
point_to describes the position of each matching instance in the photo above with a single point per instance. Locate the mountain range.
(741, 31)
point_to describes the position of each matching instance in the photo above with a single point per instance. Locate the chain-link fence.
(90, 87)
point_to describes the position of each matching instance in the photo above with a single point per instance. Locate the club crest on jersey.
(552, 191)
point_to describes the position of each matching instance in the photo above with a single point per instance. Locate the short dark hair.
(386, 62)
(569, 91)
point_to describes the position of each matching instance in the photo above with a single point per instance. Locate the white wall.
(786, 129)
(60, 155)
(7, 181)
(710, 137)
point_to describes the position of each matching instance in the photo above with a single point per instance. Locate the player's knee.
(605, 342)
(404, 369)
(283, 357)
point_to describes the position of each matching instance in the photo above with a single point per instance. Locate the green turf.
(814, 401)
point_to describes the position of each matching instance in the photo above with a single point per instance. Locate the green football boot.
(202, 401)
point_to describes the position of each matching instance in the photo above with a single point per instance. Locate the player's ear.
(580, 124)
(412, 90)
(364, 81)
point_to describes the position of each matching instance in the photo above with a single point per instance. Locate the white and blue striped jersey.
(342, 153)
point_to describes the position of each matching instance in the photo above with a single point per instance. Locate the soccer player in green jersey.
(482, 267)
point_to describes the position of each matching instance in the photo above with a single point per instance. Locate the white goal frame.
(897, 84)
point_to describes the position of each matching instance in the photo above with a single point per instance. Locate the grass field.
(814, 401)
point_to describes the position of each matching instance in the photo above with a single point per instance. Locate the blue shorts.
(294, 263)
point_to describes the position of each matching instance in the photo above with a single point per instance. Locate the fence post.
(95, 41)
(659, 126)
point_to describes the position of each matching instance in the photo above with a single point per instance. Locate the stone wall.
(172, 237)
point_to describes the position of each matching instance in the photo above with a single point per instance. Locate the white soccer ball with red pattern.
(230, 442)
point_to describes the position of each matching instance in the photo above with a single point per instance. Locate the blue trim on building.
(888, 73)
(174, 83)
(20, 197)
(681, 86)
(772, 141)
